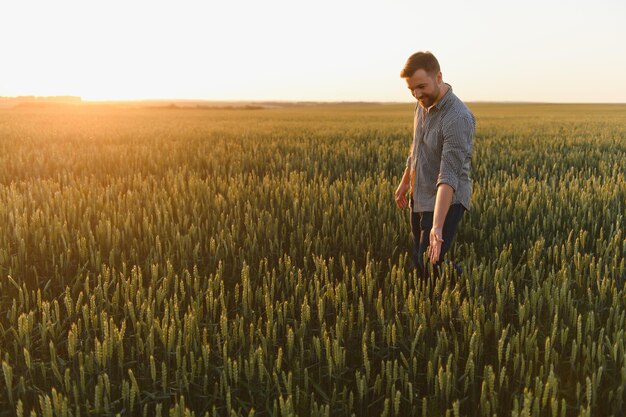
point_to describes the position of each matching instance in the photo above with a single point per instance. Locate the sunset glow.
(329, 51)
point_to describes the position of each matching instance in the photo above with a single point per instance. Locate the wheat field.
(252, 262)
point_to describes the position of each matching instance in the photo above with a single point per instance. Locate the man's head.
(423, 78)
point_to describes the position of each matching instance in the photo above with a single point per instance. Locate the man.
(437, 169)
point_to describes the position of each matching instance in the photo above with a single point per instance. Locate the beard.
(428, 100)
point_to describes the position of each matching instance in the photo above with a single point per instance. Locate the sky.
(352, 50)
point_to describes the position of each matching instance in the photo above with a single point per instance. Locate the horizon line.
(69, 99)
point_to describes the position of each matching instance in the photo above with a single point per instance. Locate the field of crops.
(252, 262)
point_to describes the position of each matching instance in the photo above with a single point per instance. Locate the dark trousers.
(421, 223)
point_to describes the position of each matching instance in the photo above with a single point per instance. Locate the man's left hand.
(434, 249)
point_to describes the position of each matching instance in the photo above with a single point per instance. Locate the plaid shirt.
(441, 152)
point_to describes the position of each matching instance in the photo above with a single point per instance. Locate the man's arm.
(454, 152)
(403, 188)
(442, 204)
(405, 182)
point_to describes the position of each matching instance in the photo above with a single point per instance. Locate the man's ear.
(439, 77)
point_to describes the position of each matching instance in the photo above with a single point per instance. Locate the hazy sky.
(558, 51)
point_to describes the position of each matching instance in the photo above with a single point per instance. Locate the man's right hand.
(401, 200)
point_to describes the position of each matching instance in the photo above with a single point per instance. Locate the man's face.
(424, 87)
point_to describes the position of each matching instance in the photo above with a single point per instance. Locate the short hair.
(420, 60)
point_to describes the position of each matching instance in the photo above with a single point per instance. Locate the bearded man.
(436, 177)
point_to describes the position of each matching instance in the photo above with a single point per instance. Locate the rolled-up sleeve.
(456, 148)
